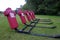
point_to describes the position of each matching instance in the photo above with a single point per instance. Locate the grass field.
(7, 34)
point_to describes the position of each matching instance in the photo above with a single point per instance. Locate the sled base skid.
(33, 34)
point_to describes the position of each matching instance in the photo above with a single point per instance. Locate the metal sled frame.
(35, 23)
(43, 22)
(34, 34)
(30, 25)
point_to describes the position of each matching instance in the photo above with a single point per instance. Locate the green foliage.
(28, 7)
(25, 7)
(46, 7)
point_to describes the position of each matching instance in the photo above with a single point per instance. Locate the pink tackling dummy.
(21, 15)
(27, 15)
(11, 16)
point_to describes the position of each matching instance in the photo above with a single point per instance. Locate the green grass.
(8, 34)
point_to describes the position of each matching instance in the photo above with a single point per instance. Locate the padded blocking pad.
(27, 15)
(22, 16)
(32, 14)
(11, 16)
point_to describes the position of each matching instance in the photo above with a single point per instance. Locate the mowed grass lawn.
(8, 34)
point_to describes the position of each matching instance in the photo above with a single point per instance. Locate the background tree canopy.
(44, 7)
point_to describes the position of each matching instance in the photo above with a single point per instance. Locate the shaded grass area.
(8, 34)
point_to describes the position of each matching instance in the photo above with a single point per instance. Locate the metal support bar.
(31, 25)
(43, 35)
(41, 22)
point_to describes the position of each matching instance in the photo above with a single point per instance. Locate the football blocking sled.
(14, 25)
(43, 21)
(21, 15)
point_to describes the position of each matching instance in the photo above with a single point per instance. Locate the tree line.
(43, 7)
